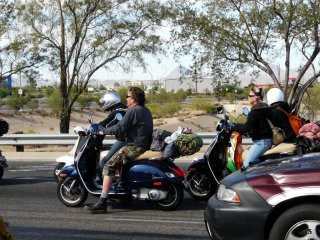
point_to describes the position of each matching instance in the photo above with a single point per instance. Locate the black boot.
(99, 207)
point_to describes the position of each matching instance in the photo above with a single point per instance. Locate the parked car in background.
(275, 200)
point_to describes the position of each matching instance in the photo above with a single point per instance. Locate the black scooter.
(205, 173)
(148, 177)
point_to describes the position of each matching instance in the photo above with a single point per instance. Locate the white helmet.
(275, 95)
(109, 100)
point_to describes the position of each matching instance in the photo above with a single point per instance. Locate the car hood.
(286, 178)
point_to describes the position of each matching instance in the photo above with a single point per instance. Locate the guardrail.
(20, 140)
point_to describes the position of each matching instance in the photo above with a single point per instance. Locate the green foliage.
(4, 92)
(163, 97)
(312, 101)
(84, 100)
(123, 93)
(163, 110)
(200, 104)
(16, 102)
(48, 91)
(236, 37)
(54, 102)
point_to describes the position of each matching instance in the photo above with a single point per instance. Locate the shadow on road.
(27, 233)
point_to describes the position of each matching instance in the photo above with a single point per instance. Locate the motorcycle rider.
(256, 126)
(137, 127)
(275, 99)
(111, 102)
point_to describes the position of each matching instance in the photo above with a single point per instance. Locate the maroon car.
(275, 200)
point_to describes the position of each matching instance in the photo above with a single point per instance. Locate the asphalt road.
(28, 202)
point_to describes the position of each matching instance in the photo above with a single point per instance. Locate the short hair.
(258, 93)
(138, 95)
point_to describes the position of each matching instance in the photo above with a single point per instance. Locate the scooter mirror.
(245, 111)
(118, 116)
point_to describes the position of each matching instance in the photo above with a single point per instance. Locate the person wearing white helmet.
(111, 102)
(275, 98)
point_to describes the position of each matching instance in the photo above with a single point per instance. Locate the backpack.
(295, 121)
(158, 137)
(188, 144)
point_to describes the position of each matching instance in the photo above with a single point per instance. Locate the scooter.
(67, 160)
(3, 164)
(204, 173)
(147, 178)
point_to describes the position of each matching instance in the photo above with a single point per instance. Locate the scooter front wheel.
(201, 185)
(71, 193)
(173, 199)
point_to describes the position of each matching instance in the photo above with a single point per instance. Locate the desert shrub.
(84, 100)
(16, 101)
(54, 102)
(200, 104)
(163, 110)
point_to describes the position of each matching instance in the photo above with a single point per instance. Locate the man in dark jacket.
(137, 127)
(275, 99)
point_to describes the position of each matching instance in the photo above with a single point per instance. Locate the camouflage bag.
(188, 144)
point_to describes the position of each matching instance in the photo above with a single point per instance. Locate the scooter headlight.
(228, 195)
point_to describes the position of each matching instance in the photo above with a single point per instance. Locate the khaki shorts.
(123, 156)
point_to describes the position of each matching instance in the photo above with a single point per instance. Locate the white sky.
(155, 70)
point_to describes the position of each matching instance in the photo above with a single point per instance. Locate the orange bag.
(295, 121)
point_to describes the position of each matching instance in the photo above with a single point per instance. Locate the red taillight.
(178, 171)
(157, 183)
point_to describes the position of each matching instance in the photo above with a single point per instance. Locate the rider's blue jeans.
(258, 148)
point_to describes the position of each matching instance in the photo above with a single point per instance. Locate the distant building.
(6, 83)
(181, 78)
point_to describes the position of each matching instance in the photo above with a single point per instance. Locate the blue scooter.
(148, 177)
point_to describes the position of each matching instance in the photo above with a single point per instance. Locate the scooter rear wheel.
(71, 193)
(201, 185)
(173, 199)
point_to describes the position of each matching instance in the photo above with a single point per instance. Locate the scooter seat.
(150, 155)
(283, 148)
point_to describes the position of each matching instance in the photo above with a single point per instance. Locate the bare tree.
(80, 37)
(236, 35)
(15, 53)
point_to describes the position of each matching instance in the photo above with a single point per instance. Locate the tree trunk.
(65, 119)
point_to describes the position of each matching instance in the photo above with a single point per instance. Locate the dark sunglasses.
(251, 95)
(128, 96)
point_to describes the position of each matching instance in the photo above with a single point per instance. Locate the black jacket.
(110, 120)
(280, 119)
(257, 125)
(137, 126)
